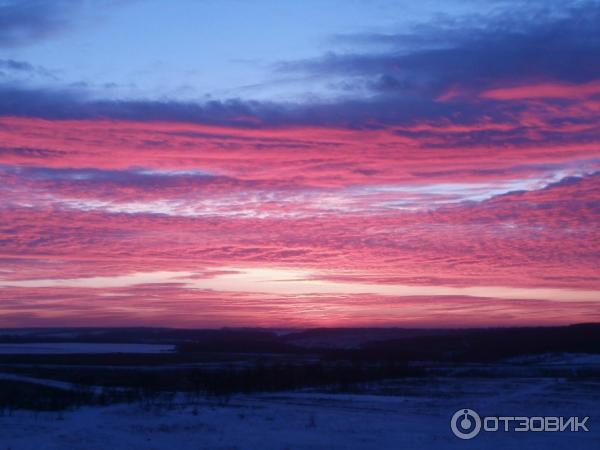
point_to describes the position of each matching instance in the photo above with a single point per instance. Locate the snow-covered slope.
(416, 417)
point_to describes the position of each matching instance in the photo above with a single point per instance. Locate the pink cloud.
(503, 201)
(170, 305)
(550, 90)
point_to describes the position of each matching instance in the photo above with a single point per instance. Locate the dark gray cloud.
(130, 176)
(76, 104)
(23, 22)
(11, 64)
(11, 69)
(403, 75)
(517, 45)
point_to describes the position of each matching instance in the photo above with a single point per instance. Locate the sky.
(299, 164)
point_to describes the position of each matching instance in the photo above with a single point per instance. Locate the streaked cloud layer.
(440, 172)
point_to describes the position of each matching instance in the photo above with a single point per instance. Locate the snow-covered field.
(76, 347)
(415, 417)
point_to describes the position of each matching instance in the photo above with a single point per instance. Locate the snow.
(416, 416)
(81, 347)
(559, 359)
(43, 381)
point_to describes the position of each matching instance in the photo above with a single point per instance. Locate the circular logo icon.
(465, 424)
